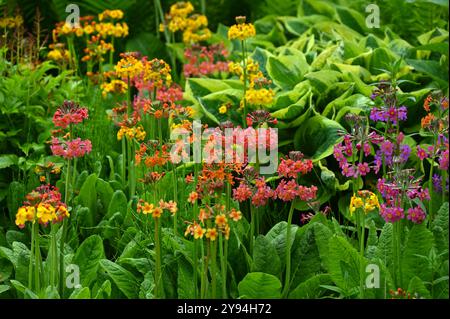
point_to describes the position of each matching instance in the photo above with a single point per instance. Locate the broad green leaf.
(4, 288)
(124, 280)
(344, 263)
(317, 136)
(265, 257)
(277, 236)
(118, 204)
(8, 160)
(147, 286)
(311, 288)
(81, 293)
(440, 228)
(258, 285)
(293, 110)
(287, 70)
(416, 286)
(351, 18)
(104, 292)
(199, 87)
(87, 257)
(432, 68)
(88, 198)
(419, 242)
(185, 284)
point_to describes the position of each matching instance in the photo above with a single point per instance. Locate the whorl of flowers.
(43, 205)
(69, 113)
(365, 200)
(241, 30)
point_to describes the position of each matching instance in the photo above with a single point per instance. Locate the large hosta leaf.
(287, 70)
(317, 136)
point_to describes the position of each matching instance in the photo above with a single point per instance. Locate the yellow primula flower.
(260, 96)
(181, 9)
(46, 213)
(128, 66)
(241, 30)
(223, 109)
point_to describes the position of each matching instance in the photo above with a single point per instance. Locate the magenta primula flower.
(421, 153)
(416, 215)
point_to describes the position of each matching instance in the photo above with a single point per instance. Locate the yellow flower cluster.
(157, 71)
(58, 54)
(253, 72)
(259, 96)
(11, 22)
(44, 213)
(241, 30)
(118, 30)
(115, 86)
(136, 132)
(366, 200)
(108, 29)
(113, 14)
(181, 9)
(194, 27)
(156, 211)
(129, 67)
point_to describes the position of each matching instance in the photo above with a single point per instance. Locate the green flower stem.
(287, 281)
(252, 229)
(54, 254)
(124, 159)
(111, 52)
(361, 218)
(63, 234)
(195, 257)
(430, 189)
(129, 106)
(158, 259)
(223, 266)
(30, 266)
(36, 257)
(244, 70)
(444, 184)
(213, 247)
(204, 271)
(175, 197)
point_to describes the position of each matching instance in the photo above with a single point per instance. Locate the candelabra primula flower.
(70, 149)
(241, 30)
(69, 113)
(42, 205)
(365, 200)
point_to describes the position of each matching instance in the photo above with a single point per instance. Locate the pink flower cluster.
(290, 169)
(392, 193)
(70, 149)
(205, 60)
(171, 94)
(69, 113)
(391, 214)
(289, 190)
(259, 194)
(416, 215)
(347, 149)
